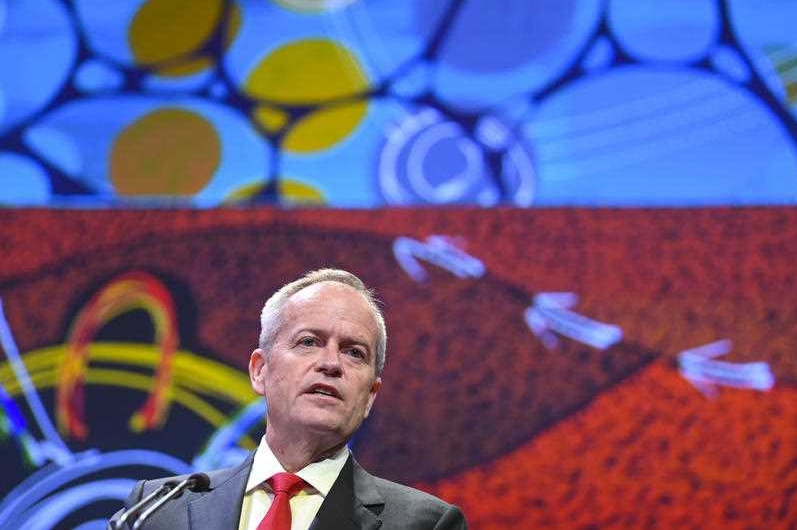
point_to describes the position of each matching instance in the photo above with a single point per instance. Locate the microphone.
(137, 507)
(195, 482)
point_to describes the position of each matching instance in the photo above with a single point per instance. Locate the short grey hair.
(271, 315)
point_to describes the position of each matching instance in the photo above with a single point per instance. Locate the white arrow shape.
(442, 251)
(697, 367)
(550, 314)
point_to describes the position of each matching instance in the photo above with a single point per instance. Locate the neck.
(296, 453)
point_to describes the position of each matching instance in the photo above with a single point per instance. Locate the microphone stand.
(196, 482)
(165, 487)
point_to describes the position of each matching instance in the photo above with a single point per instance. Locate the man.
(319, 363)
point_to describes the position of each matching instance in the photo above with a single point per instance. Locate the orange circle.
(167, 152)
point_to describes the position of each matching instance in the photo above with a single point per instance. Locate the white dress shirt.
(304, 505)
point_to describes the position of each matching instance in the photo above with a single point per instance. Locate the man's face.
(319, 378)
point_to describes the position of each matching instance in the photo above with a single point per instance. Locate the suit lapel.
(220, 507)
(352, 503)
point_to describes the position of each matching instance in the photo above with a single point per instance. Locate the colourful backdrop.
(579, 216)
(554, 368)
(370, 103)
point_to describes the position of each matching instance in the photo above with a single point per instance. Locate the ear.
(372, 396)
(257, 369)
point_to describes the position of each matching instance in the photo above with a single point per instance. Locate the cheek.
(368, 400)
(277, 386)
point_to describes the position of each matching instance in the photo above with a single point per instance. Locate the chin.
(335, 433)
(323, 422)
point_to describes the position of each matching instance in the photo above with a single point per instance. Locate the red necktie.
(285, 486)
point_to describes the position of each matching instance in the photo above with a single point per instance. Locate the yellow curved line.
(45, 379)
(191, 371)
(193, 375)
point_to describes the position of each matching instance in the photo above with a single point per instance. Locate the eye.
(357, 353)
(307, 341)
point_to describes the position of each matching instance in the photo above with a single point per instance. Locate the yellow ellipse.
(324, 128)
(165, 30)
(307, 72)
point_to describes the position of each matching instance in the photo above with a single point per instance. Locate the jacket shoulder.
(394, 490)
(407, 507)
(217, 477)
(174, 514)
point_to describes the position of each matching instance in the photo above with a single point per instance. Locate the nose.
(328, 360)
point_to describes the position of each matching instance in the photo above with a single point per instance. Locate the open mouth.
(324, 390)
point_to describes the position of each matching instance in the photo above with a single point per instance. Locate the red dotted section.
(652, 453)
(452, 341)
(594, 438)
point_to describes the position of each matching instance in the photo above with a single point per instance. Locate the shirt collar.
(320, 475)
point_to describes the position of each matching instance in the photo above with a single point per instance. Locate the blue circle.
(23, 182)
(642, 136)
(676, 30)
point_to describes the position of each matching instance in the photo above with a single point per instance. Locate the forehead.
(330, 303)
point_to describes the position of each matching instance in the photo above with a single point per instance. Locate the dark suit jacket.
(357, 500)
